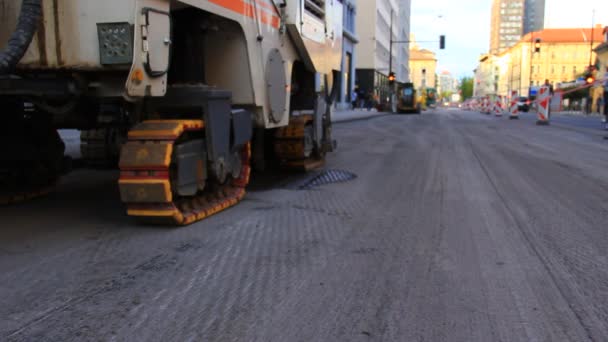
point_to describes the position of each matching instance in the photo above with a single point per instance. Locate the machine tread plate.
(145, 177)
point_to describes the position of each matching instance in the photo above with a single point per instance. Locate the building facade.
(507, 25)
(602, 67)
(562, 58)
(374, 55)
(534, 15)
(602, 56)
(403, 69)
(423, 67)
(350, 40)
(446, 83)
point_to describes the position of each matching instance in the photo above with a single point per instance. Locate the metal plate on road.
(327, 177)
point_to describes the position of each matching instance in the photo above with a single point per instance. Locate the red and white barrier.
(486, 105)
(498, 107)
(514, 111)
(543, 99)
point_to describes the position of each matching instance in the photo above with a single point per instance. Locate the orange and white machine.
(182, 96)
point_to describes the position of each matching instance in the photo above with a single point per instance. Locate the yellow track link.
(145, 177)
(289, 145)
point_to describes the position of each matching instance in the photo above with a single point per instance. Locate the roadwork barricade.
(542, 112)
(498, 106)
(513, 110)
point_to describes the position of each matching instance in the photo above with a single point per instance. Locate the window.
(316, 8)
(563, 69)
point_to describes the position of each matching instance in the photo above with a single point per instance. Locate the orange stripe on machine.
(247, 8)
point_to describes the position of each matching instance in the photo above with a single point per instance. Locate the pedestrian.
(360, 98)
(353, 97)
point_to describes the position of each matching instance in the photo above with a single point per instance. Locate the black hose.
(20, 40)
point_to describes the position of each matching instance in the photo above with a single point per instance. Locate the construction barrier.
(513, 110)
(486, 105)
(498, 106)
(543, 99)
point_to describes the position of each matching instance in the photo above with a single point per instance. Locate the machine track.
(294, 145)
(148, 171)
(33, 163)
(101, 147)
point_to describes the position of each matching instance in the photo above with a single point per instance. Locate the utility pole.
(390, 48)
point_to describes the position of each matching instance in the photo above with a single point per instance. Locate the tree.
(466, 87)
(446, 95)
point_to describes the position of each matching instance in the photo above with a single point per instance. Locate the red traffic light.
(590, 80)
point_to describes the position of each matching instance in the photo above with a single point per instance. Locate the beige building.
(423, 67)
(602, 56)
(564, 54)
(602, 73)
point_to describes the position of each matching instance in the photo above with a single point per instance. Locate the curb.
(365, 116)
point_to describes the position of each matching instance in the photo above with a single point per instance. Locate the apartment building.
(507, 24)
(563, 55)
(374, 55)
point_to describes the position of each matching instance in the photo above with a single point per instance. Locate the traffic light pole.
(390, 48)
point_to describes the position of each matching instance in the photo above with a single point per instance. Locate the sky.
(466, 25)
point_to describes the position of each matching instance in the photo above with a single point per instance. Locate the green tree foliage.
(466, 87)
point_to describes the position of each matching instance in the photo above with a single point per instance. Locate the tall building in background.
(349, 42)
(511, 19)
(403, 71)
(507, 25)
(372, 58)
(446, 83)
(534, 15)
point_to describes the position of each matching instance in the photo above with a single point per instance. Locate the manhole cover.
(328, 177)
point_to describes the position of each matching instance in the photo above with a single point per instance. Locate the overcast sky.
(466, 24)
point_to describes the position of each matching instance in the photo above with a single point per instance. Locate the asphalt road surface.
(458, 227)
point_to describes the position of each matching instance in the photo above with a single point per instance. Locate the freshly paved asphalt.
(459, 227)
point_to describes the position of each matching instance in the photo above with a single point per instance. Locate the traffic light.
(391, 78)
(537, 45)
(441, 42)
(589, 78)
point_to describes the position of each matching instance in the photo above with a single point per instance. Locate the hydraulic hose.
(20, 39)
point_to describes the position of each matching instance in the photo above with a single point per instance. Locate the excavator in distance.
(183, 96)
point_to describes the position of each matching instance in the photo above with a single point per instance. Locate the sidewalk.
(357, 114)
(579, 113)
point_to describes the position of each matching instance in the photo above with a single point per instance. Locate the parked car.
(523, 104)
